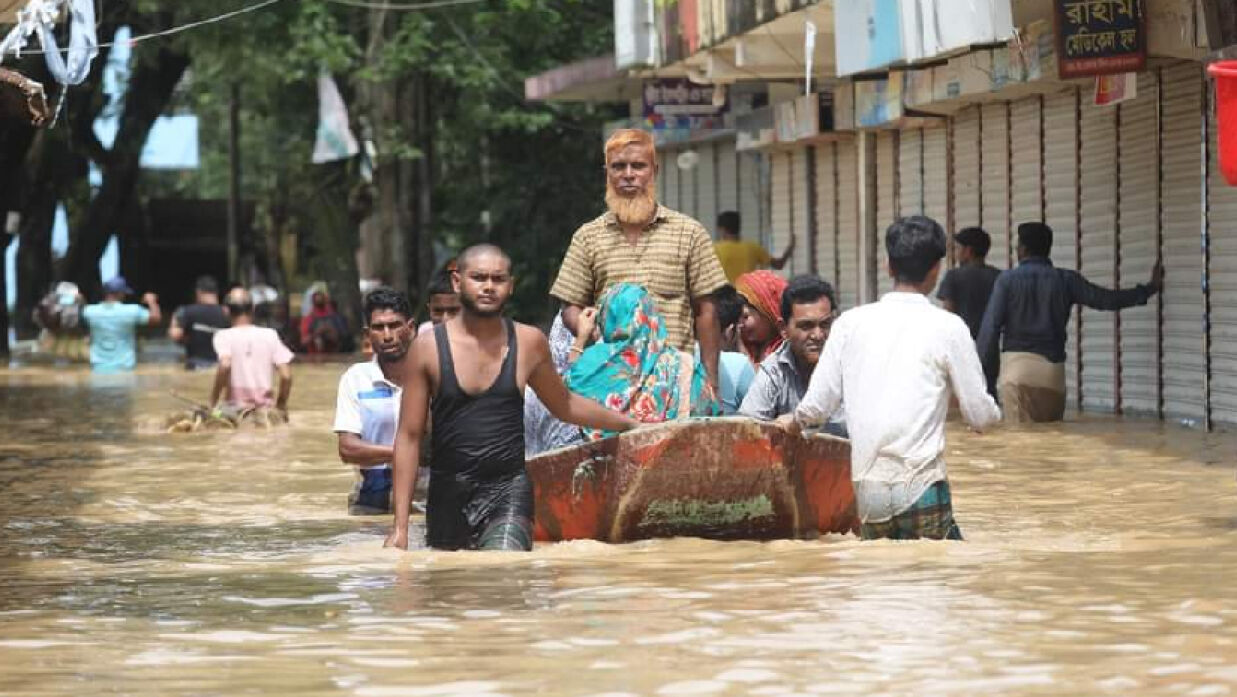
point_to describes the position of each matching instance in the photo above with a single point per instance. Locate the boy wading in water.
(893, 364)
(475, 366)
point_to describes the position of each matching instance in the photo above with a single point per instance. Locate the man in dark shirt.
(965, 290)
(195, 325)
(1031, 305)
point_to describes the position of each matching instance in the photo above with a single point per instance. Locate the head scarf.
(542, 431)
(763, 291)
(632, 370)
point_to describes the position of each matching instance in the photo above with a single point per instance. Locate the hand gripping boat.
(725, 479)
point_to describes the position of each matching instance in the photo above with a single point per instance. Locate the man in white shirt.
(367, 408)
(893, 364)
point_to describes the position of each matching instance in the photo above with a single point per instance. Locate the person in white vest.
(367, 407)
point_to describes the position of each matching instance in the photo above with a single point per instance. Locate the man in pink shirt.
(248, 355)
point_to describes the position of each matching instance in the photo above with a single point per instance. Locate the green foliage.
(535, 168)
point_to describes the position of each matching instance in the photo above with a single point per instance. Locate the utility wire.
(405, 7)
(173, 30)
(194, 25)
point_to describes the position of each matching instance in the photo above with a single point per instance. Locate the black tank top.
(478, 436)
(200, 323)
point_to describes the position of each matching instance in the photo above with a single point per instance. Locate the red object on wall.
(1225, 74)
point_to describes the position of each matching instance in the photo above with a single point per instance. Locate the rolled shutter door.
(670, 170)
(706, 187)
(936, 175)
(910, 172)
(1026, 166)
(1098, 179)
(849, 234)
(886, 193)
(688, 188)
(826, 213)
(994, 180)
(780, 164)
(751, 195)
(1184, 363)
(1138, 217)
(727, 178)
(966, 179)
(801, 202)
(1061, 206)
(1222, 284)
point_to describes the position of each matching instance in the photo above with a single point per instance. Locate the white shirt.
(368, 405)
(894, 363)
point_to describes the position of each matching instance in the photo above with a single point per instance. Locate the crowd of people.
(657, 322)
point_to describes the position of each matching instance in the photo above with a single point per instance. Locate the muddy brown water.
(1101, 559)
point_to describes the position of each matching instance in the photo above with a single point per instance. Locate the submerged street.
(1098, 560)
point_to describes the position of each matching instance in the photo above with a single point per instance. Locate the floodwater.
(1101, 559)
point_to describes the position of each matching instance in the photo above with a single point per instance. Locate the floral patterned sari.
(632, 370)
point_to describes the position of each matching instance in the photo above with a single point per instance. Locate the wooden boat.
(726, 478)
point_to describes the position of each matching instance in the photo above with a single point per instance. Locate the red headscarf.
(763, 291)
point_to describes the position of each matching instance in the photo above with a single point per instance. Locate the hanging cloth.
(40, 17)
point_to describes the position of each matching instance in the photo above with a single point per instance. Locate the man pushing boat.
(475, 367)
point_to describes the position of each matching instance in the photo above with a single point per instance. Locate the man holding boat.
(474, 367)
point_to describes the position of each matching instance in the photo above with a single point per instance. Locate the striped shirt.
(673, 259)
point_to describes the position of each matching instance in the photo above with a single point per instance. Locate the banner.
(334, 140)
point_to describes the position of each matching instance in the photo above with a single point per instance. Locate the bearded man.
(475, 366)
(639, 241)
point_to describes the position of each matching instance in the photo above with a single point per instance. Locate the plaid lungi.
(931, 517)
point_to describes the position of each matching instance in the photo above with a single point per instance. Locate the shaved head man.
(468, 377)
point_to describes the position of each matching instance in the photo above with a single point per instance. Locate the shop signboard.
(1100, 37)
(679, 103)
(867, 35)
(871, 35)
(878, 102)
(635, 34)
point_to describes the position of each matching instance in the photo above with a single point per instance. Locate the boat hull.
(728, 478)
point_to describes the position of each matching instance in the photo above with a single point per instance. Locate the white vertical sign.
(809, 51)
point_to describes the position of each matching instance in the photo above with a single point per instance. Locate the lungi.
(931, 517)
(1031, 387)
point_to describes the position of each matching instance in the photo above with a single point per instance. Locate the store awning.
(590, 80)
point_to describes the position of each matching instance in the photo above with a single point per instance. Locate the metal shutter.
(662, 174)
(994, 173)
(1098, 178)
(1061, 205)
(728, 179)
(706, 187)
(966, 168)
(886, 210)
(826, 213)
(1221, 285)
(751, 197)
(910, 173)
(670, 170)
(687, 187)
(1138, 223)
(936, 175)
(801, 212)
(1026, 193)
(781, 198)
(849, 232)
(1184, 362)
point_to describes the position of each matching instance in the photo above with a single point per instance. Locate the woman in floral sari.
(632, 370)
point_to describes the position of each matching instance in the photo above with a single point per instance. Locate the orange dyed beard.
(632, 210)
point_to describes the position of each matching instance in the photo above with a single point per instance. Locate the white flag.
(335, 140)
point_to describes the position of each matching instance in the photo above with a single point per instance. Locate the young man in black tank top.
(475, 366)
